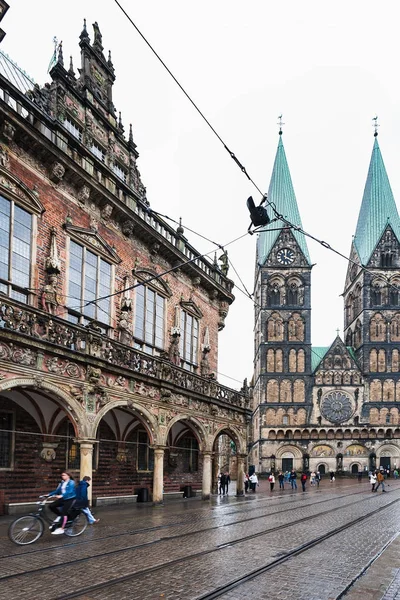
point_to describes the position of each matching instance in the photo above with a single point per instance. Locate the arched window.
(274, 295)
(394, 295)
(386, 259)
(395, 361)
(376, 295)
(292, 361)
(357, 334)
(272, 391)
(301, 361)
(296, 328)
(395, 329)
(373, 360)
(377, 328)
(293, 294)
(275, 328)
(285, 391)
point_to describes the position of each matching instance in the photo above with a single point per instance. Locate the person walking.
(312, 478)
(82, 500)
(381, 481)
(292, 479)
(246, 482)
(222, 483)
(359, 475)
(318, 478)
(227, 482)
(372, 480)
(271, 480)
(396, 474)
(332, 476)
(65, 498)
(281, 479)
(253, 482)
(303, 480)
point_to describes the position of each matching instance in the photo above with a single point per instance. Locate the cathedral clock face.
(337, 407)
(285, 256)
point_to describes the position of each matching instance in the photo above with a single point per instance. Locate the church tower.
(282, 334)
(372, 295)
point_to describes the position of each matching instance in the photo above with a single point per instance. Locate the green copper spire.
(281, 193)
(378, 208)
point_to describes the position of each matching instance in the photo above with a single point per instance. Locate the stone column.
(206, 488)
(86, 449)
(158, 474)
(215, 472)
(241, 461)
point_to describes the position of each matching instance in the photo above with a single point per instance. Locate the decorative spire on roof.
(281, 194)
(60, 58)
(131, 143)
(375, 125)
(378, 207)
(120, 126)
(84, 34)
(109, 61)
(71, 67)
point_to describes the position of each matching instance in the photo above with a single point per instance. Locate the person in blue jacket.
(82, 501)
(65, 498)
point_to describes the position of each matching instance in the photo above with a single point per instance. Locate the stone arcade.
(124, 387)
(333, 408)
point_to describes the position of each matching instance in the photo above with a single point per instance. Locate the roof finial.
(280, 123)
(180, 230)
(60, 59)
(375, 125)
(71, 67)
(337, 332)
(131, 143)
(84, 34)
(109, 61)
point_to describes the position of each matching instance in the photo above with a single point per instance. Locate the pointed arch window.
(274, 295)
(376, 295)
(293, 294)
(386, 259)
(394, 295)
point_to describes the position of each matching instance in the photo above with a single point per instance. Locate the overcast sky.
(329, 67)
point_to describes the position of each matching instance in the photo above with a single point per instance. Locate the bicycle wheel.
(77, 526)
(26, 530)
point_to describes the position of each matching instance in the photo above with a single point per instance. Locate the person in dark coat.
(222, 484)
(82, 500)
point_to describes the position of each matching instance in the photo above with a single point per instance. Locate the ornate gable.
(338, 366)
(191, 308)
(92, 240)
(147, 275)
(293, 257)
(16, 190)
(387, 250)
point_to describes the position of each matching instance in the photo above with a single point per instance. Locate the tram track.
(239, 581)
(178, 523)
(266, 531)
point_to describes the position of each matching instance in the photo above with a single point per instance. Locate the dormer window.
(73, 129)
(120, 173)
(98, 152)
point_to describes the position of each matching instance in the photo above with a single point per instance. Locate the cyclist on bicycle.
(66, 495)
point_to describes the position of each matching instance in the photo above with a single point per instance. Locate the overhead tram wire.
(192, 102)
(232, 155)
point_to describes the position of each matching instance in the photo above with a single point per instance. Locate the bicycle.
(29, 528)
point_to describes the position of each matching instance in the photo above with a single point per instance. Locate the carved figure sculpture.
(49, 297)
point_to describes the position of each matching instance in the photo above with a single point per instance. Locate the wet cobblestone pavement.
(334, 541)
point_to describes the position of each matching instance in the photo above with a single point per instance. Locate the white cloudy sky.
(329, 67)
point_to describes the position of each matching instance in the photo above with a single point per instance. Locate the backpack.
(304, 477)
(270, 478)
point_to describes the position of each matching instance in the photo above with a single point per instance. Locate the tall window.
(15, 250)
(73, 129)
(189, 340)
(6, 440)
(189, 453)
(98, 152)
(145, 455)
(89, 278)
(119, 172)
(73, 455)
(149, 320)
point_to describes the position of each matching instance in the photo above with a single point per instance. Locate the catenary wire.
(233, 156)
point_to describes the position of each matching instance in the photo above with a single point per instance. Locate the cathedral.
(333, 408)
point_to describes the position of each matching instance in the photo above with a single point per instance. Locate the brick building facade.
(109, 317)
(333, 408)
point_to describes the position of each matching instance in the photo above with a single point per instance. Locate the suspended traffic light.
(258, 214)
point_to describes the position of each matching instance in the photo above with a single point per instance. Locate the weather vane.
(280, 123)
(375, 125)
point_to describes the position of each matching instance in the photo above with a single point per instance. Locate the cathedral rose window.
(337, 407)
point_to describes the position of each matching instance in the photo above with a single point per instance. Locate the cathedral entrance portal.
(287, 464)
(384, 462)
